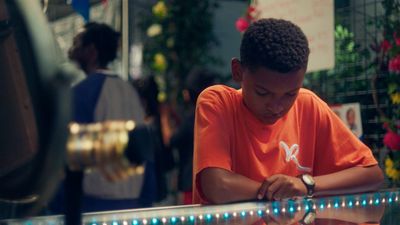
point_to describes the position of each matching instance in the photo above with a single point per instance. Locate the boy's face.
(268, 94)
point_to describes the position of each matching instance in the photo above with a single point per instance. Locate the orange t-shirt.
(309, 138)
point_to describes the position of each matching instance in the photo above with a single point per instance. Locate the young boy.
(272, 139)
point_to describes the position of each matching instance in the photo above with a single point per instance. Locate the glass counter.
(382, 207)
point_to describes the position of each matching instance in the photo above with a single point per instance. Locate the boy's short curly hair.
(275, 44)
(104, 38)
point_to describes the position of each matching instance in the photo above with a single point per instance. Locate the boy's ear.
(237, 71)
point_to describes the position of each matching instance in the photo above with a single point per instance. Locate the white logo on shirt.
(291, 154)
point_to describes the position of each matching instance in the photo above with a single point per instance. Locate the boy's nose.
(275, 107)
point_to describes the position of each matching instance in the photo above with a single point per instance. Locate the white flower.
(154, 30)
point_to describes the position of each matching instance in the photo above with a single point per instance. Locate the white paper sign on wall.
(315, 18)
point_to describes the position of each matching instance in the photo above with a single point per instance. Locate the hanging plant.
(387, 69)
(179, 36)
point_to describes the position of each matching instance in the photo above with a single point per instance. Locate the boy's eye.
(261, 93)
(291, 94)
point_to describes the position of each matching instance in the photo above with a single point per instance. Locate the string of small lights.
(259, 209)
(221, 214)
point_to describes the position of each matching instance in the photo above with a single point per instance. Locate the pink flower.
(392, 141)
(394, 64)
(251, 13)
(396, 39)
(241, 24)
(386, 125)
(251, 9)
(385, 45)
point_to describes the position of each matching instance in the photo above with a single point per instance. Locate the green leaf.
(392, 87)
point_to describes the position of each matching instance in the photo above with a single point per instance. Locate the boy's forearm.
(352, 180)
(222, 186)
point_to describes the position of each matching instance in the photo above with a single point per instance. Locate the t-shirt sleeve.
(85, 97)
(337, 148)
(211, 136)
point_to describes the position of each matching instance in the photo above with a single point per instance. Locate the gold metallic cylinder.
(102, 146)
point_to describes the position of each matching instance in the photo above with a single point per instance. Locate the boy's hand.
(280, 186)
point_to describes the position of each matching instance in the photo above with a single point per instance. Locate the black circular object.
(34, 109)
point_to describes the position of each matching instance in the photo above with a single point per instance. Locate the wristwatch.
(308, 180)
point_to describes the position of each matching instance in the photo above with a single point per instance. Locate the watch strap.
(309, 187)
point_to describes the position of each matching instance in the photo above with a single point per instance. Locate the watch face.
(308, 179)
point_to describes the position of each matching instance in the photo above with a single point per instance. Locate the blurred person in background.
(182, 138)
(164, 161)
(103, 96)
